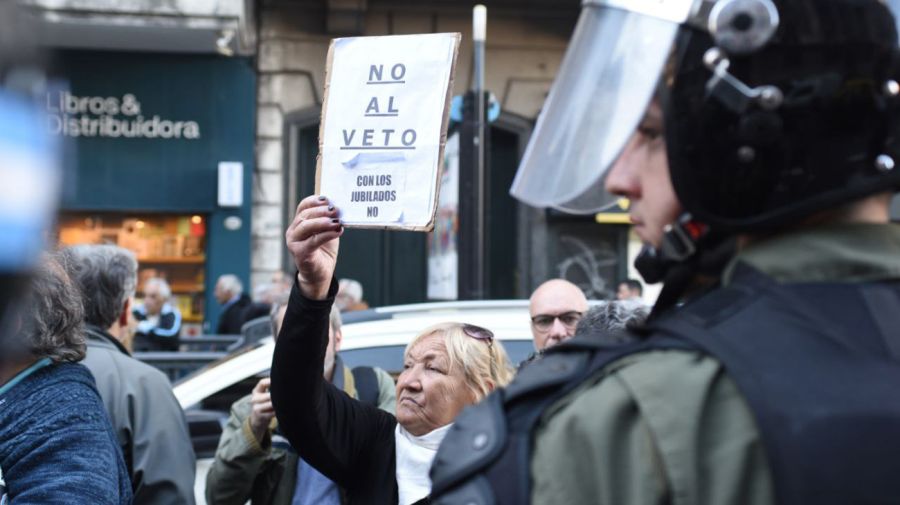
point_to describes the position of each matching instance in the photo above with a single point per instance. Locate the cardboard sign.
(384, 128)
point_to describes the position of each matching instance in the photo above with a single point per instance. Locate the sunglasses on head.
(485, 335)
(478, 333)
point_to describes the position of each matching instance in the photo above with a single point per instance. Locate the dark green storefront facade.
(146, 134)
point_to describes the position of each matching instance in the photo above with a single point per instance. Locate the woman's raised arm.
(313, 240)
(331, 431)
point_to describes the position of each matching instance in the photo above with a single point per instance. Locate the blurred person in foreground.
(255, 462)
(757, 141)
(158, 321)
(374, 456)
(56, 442)
(147, 419)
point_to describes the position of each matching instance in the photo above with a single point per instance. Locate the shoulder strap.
(881, 301)
(366, 385)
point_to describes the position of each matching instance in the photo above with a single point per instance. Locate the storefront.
(161, 162)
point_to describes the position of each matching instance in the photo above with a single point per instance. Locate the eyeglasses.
(544, 322)
(485, 335)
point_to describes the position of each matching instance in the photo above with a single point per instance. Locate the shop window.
(168, 246)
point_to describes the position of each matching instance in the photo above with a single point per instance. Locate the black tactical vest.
(818, 364)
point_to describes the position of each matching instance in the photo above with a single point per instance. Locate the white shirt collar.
(414, 457)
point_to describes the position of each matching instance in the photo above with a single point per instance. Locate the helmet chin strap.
(679, 244)
(688, 250)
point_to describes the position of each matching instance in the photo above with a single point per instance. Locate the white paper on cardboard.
(382, 127)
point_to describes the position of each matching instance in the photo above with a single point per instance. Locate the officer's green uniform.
(671, 426)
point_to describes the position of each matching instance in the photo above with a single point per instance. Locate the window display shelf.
(171, 247)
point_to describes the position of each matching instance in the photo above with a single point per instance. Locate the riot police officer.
(757, 141)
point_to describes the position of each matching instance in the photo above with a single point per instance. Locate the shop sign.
(231, 184)
(384, 128)
(112, 117)
(147, 131)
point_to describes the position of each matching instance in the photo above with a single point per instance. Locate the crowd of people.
(159, 322)
(756, 143)
(133, 444)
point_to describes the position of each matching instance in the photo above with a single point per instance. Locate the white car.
(374, 337)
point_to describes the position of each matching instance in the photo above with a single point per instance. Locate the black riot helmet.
(774, 109)
(783, 108)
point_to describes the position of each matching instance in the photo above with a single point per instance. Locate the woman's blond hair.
(484, 363)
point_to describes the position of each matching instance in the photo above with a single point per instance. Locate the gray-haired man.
(147, 419)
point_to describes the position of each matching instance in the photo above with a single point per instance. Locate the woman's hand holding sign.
(312, 239)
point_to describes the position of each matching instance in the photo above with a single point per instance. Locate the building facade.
(525, 45)
(250, 74)
(155, 104)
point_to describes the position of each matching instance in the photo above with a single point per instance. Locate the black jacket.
(350, 442)
(163, 336)
(232, 318)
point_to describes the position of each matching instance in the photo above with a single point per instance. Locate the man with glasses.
(555, 307)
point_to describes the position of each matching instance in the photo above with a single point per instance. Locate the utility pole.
(473, 166)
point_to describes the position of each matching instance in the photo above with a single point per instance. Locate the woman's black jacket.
(350, 442)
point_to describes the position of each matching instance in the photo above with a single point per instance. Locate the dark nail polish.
(331, 207)
(322, 198)
(335, 220)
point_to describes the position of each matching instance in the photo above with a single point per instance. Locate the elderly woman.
(374, 456)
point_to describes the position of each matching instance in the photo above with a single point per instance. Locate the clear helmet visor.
(894, 6)
(607, 78)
